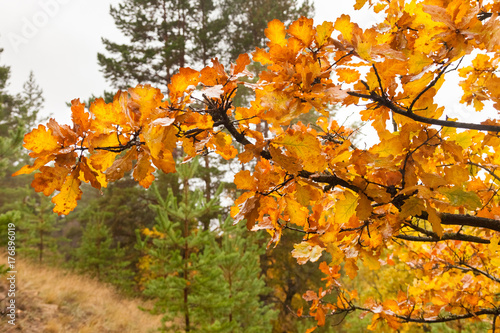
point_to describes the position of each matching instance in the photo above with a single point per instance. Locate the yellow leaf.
(297, 213)
(418, 62)
(359, 4)
(306, 193)
(39, 162)
(412, 207)
(102, 160)
(493, 246)
(306, 251)
(344, 25)
(435, 221)
(456, 174)
(148, 99)
(69, 194)
(306, 147)
(351, 268)
(40, 141)
(364, 208)
(364, 50)
(323, 32)
(345, 208)
(165, 163)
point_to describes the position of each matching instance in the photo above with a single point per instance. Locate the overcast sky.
(59, 40)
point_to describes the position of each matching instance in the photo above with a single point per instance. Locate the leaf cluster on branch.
(426, 194)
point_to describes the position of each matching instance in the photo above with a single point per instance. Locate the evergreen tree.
(209, 277)
(11, 127)
(39, 229)
(98, 257)
(164, 35)
(158, 33)
(182, 271)
(237, 255)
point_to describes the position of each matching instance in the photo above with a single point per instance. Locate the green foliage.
(98, 257)
(39, 229)
(208, 277)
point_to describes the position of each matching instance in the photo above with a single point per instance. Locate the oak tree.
(424, 194)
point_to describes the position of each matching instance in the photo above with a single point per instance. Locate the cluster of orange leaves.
(400, 201)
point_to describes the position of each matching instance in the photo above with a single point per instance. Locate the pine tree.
(98, 257)
(11, 128)
(182, 273)
(164, 35)
(158, 33)
(208, 276)
(39, 229)
(237, 255)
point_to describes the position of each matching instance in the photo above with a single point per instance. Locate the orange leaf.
(276, 32)
(181, 81)
(347, 75)
(81, 119)
(49, 179)
(244, 180)
(351, 268)
(290, 164)
(143, 171)
(120, 166)
(303, 30)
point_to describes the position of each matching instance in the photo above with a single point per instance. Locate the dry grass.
(53, 300)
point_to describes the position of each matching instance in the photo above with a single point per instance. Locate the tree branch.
(446, 236)
(401, 111)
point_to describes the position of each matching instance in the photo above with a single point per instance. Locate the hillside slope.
(54, 300)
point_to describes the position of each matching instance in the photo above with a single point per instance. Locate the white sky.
(59, 40)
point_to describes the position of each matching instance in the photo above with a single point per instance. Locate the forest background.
(173, 245)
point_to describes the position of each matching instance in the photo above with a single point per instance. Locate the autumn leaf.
(345, 207)
(143, 170)
(303, 30)
(306, 251)
(276, 32)
(435, 221)
(120, 166)
(323, 32)
(40, 141)
(459, 197)
(66, 200)
(297, 213)
(49, 179)
(244, 180)
(304, 146)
